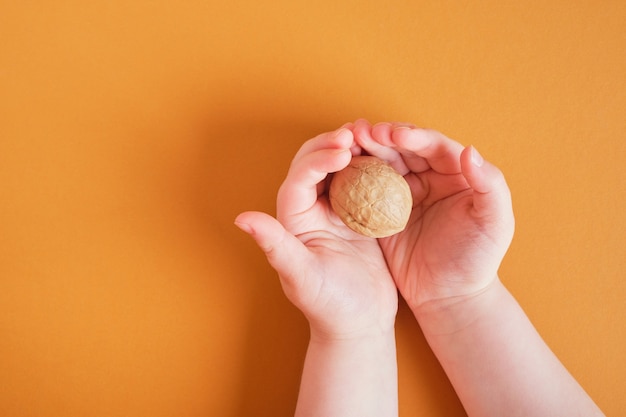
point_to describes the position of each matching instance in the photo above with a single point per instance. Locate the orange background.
(132, 133)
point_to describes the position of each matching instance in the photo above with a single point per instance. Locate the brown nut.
(370, 197)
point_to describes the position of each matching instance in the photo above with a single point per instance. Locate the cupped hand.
(337, 278)
(461, 224)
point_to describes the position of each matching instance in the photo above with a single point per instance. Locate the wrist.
(364, 324)
(321, 335)
(453, 314)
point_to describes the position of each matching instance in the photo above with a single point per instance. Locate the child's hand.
(339, 279)
(462, 221)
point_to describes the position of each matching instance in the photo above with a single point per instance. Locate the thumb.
(283, 250)
(492, 197)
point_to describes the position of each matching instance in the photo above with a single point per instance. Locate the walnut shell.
(370, 197)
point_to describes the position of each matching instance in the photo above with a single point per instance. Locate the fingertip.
(361, 130)
(473, 167)
(283, 250)
(404, 125)
(264, 229)
(398, 134)
(343, 138)
(362, 122)
(244, 221)
(487, 181)
(342, 131)
(475, 157)
(381, 132)
(244, 227)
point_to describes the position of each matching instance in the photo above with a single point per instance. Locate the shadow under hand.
(257, 156)
(251, 159)
(424, 388)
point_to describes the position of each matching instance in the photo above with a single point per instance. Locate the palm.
(425, 255)
(346, 275)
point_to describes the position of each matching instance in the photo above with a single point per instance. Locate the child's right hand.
(336, 277)
(462, 222)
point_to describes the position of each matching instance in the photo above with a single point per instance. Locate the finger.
(338, 139)
(283, 250)
(441, 153)
(299, 192)
(491, 195)
(363, 135)
(406, 161)
(403, 124)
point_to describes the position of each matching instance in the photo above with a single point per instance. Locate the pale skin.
(444, 264)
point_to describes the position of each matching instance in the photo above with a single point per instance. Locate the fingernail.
(339, 131)
(245, 227)
(476, 158)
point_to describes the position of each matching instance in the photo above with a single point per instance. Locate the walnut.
(370, 197)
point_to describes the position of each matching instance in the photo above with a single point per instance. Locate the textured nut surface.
(370, 197)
